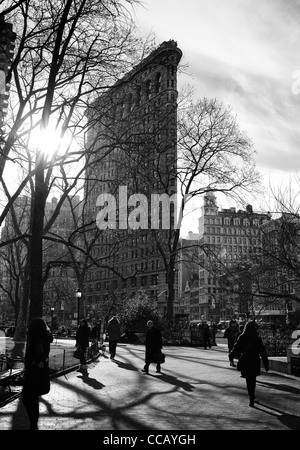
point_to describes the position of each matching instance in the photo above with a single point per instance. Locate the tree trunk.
(36, 246)
(21, 322)
(171, 292)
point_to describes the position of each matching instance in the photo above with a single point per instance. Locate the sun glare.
(49, 141)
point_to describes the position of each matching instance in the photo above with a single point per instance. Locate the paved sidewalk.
(197, 390)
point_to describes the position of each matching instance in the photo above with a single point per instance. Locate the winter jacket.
(250, 348)
(153, 341)
(39, 339)
(231, 333)
(82, 336)
(113, 329)
(37, 352)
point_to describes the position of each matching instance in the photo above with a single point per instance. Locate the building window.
(138, 95)
(154, 279)
(158, 83)
(148, 89)
(130, 102)
(122, 108)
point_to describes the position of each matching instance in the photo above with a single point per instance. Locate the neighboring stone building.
(60, 287)
(13, 259)
(188, 274)
(132, 155)
(281, 274)
(227, 237)
(61, 284)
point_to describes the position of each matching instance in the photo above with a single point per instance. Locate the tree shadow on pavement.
(95, 384)
(289, 420)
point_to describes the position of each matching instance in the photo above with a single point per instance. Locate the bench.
(94, 348)
(295, 366)
(10, 375)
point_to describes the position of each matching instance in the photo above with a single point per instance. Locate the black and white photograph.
(149, 218)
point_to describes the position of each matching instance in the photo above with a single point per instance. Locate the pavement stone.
(197, 391)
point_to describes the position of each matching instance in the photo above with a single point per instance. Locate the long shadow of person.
(289, 420)
(280, 387)
(176, 382)
(126, 366)
(19, 419)
(95, 384)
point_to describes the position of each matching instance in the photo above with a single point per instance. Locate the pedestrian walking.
(231, 334)
(206, 335)
(82, 343)
(153, 346)
(213, 331)
(95, 332)
(36, 371)
(249, 348)
(114, 334)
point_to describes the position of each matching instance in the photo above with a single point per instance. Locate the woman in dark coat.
(82, 342)
(153, 345)
(114, 334)
(36, 374)
(250, 348)
(231, 334)
(206, 336)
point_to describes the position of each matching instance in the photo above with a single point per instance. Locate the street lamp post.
(78, 296)
(52, 312)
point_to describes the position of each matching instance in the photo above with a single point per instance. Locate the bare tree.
(66, 53)
(214, 155)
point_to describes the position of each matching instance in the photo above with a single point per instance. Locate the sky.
(245, 53)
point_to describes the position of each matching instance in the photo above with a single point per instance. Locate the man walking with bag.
(153, 347)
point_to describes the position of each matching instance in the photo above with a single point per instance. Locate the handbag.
(78, 353)
(240, 360)
(159, 357)
(37, 379)
(162, 358)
